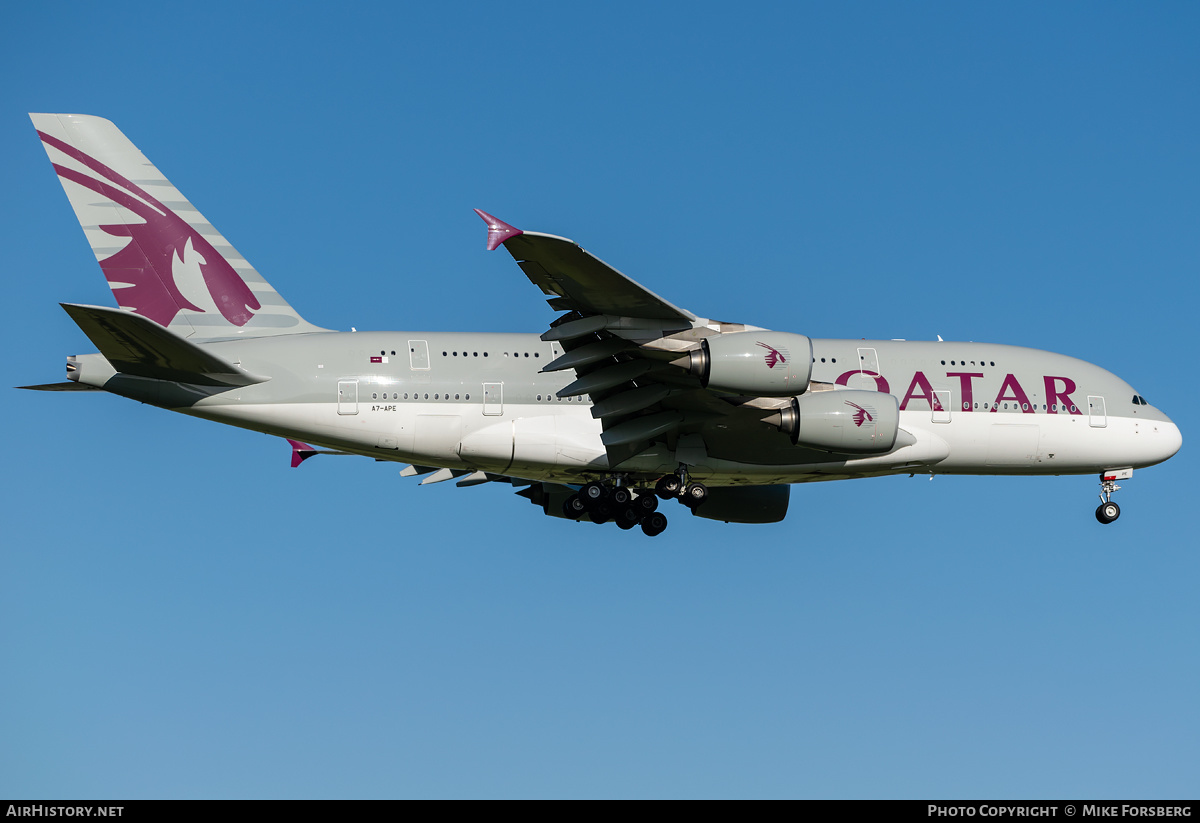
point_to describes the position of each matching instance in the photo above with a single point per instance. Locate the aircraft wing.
(620, 340)
(586, 284)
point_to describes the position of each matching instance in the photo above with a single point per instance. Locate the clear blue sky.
(182, 615)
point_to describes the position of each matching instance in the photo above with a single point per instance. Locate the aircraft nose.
(1167, 440)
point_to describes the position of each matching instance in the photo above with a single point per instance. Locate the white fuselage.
(480, 402)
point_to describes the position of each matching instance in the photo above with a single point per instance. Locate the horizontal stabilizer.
(69, 385)
(138, 346)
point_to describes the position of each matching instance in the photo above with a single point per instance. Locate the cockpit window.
(1138, 400)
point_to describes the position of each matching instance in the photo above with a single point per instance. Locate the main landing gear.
(607, 501)
(677, 485)
(1109, 511)
(612, 500)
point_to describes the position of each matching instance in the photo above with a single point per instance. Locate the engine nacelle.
(850, 422)
(762, 364)
(745, 504)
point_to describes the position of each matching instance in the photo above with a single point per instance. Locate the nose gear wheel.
(1108, 511)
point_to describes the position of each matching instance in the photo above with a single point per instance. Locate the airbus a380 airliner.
(625, 400)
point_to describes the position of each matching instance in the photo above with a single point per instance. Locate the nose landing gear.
(1109, 511)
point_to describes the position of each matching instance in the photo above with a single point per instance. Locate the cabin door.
(868, 361)
(418, 355)
(493, 398)
(941, 407)
(347, 397)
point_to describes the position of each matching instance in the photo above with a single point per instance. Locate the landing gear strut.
(1108, 511)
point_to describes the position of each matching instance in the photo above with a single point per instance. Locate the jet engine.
(762, 364)
(851, 421)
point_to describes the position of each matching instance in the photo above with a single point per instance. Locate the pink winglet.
(498, 230)
(300, 451)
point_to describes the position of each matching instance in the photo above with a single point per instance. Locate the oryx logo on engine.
(773, 356)
(862, 415)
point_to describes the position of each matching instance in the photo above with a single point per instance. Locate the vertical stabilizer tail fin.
(163, 260)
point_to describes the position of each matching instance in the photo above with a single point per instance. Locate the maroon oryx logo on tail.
(862, 415)
(145, 267)
(773, 356)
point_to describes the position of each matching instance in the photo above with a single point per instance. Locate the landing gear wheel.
(620, 496)
(574, 507)
(654, 524)
(600, 512)
(694, 495)
(1108, 512)
(646, 503)
(593, 492)
(668, 487)
(627, 516)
